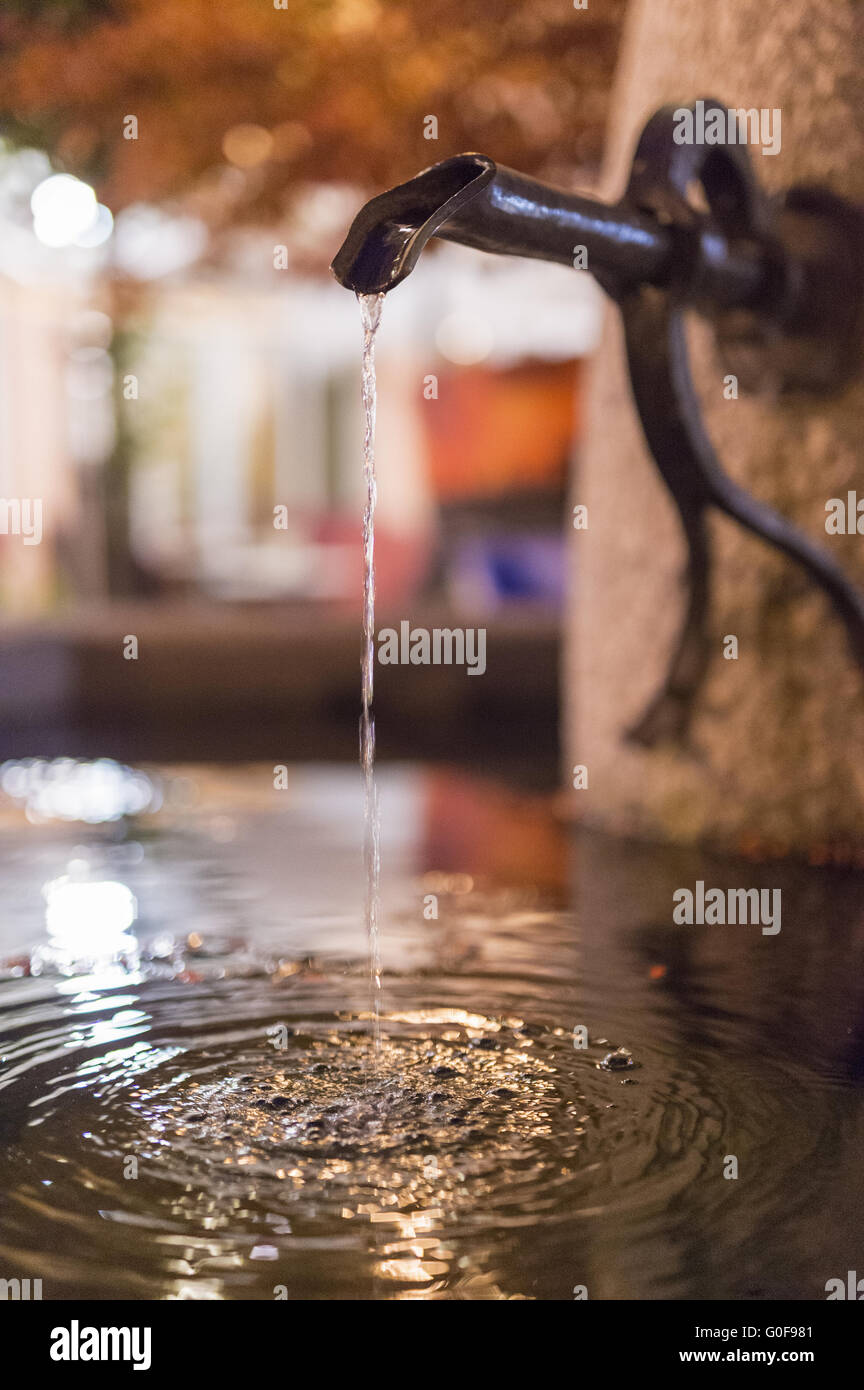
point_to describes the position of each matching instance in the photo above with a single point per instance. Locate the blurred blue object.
(506, 568)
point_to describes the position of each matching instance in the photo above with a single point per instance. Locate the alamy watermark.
(77, 1343)
(728, 126)
(20, 1290)
(440, 646)
(845, 515)
(850, 1288)
(21, 516)
(728, 906)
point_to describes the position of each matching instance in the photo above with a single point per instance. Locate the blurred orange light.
(247, 145)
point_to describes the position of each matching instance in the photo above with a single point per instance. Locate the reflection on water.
(88, 925)
(73, 790)
(198, 1119)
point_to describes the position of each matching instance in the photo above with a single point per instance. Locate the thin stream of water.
(370, 312)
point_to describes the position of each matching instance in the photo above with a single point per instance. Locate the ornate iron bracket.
(804, 334)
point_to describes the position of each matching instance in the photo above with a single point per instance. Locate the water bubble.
(619, 1060)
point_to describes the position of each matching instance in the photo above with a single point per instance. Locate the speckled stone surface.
(778, 757)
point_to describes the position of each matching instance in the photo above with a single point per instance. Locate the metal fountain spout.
(473, 200)
(781, 281)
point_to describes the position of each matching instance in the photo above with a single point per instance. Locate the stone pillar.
(778, 735)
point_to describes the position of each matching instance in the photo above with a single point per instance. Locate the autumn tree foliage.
(239, 103)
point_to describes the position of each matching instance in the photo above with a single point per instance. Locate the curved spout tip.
(387, 235)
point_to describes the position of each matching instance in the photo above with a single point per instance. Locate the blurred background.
(179, 375)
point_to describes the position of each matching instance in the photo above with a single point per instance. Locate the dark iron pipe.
(472, 200)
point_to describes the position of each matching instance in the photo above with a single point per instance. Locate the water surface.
(187, 1108)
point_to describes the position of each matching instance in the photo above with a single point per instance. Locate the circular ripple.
(230, 1146)
(199, 1142)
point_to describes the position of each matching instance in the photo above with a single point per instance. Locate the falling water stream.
(370, 311)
